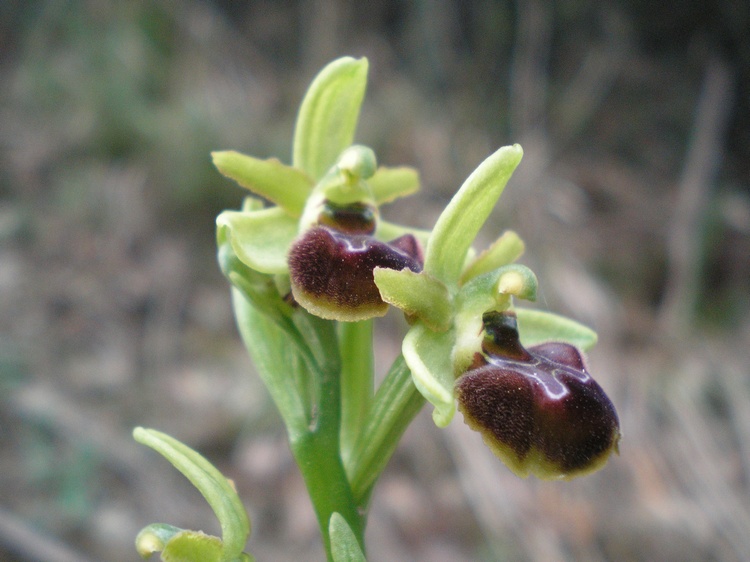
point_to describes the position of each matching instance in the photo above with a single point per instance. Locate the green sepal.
(328, 115)
(538, 326)
(260, 239)
(417, 294)
(391, 183)
(506, 249)
(344, 545)
(286, 186)
(217, 490)
(428, 355)
(460, 222)
(258, 288)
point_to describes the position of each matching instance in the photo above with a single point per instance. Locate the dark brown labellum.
(539, 409)
(332, 272)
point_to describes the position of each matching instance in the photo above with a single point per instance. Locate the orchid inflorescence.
(312, 262)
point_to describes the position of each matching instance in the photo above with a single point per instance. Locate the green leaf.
(344, 545)
(537, 326)
(391, 183)
(260, 239)
(428, 355)
(328, 115)
(278, 358)
(417, 294)
(286, 186)
(196, 546)
(193, 546)
(394, 406)
(217, 490)
(503, 251)
(464, 216)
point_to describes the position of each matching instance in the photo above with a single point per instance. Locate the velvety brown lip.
(335, 270)
(539, 403)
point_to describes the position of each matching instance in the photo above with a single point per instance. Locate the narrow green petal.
(417, 294)
(286, 186)
(464, 216)
(215, 488)
(537, 326)
(261, 239)
(506, 249)
(344, 545)
(328, 115)
(391, 183)
(428, 355)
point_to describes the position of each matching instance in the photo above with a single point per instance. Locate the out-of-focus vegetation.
(633, 197)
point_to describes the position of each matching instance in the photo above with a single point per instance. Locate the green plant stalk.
(314, 438)
(318, 450)
(357, 381)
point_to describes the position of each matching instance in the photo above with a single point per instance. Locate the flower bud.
(538, 409)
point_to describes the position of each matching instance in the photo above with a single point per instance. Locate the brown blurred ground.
(633, 198)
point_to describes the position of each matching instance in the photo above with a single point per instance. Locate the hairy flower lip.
(332, 272)
(539, 410)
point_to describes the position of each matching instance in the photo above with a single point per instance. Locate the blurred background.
(633, 199)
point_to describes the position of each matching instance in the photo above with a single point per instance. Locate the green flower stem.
(311, 411)
(395, 405)
(318, 450)
(357, 381)
(317, 454)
